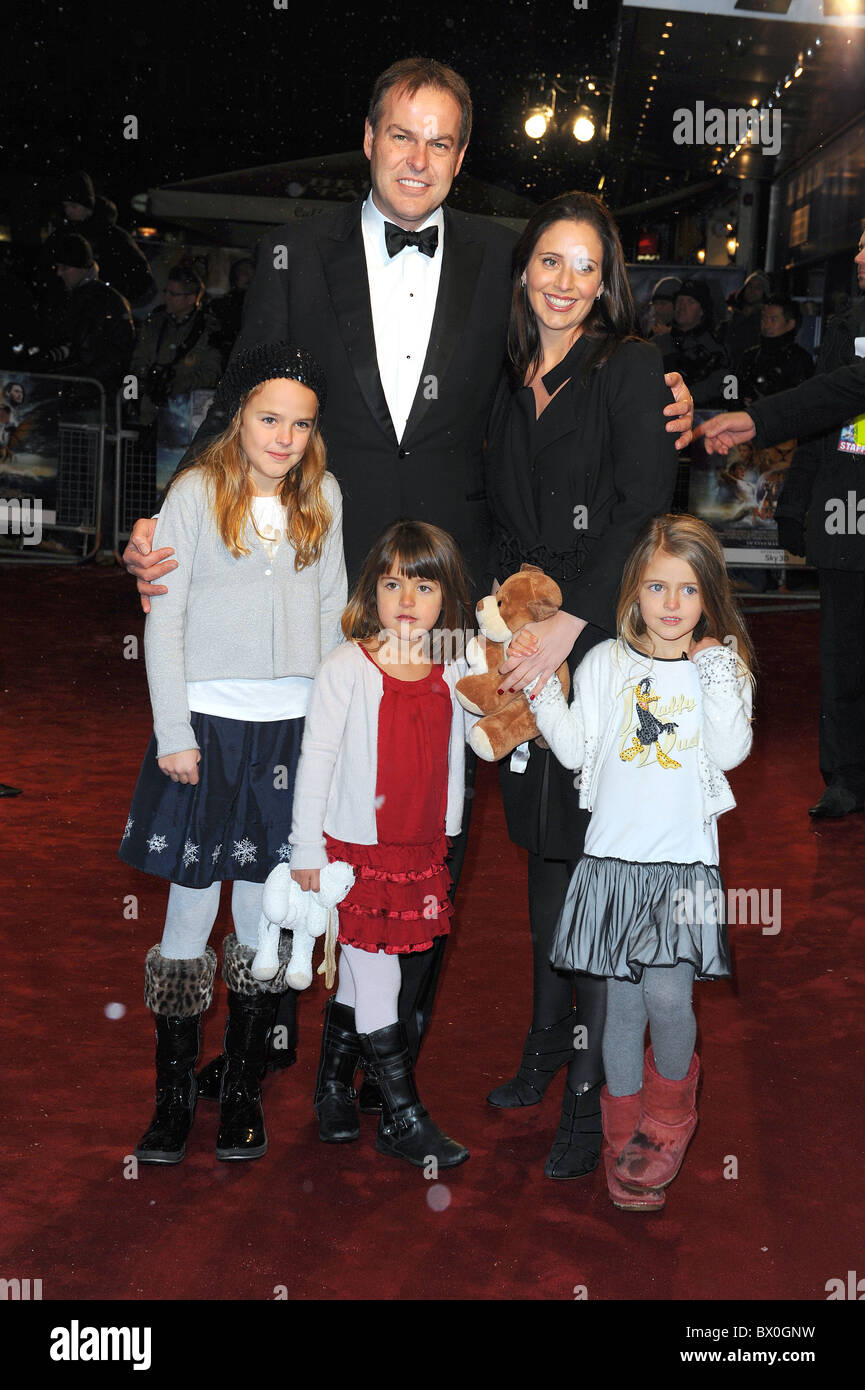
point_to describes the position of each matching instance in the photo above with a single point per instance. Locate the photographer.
(175, 354)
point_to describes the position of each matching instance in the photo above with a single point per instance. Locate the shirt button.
(268, 571)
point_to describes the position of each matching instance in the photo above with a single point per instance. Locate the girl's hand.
(182, 767)
(308, 879)
(554, 637)
(702, 646)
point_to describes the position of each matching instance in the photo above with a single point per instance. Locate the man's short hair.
(790, 307)
(185, 274)
(410, 74)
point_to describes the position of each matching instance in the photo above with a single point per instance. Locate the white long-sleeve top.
(335, 785)
(583, 733)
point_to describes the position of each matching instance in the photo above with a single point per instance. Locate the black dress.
(569, 492)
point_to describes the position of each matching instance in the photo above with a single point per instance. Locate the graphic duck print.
(649, 727)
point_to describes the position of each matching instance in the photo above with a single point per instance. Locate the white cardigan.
(580, 734)
(334, 789)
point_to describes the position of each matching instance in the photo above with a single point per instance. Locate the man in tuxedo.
(405, 304)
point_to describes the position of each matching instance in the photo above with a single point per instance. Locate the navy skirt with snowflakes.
(235, 822)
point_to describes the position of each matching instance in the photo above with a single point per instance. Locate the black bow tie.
(395, 238)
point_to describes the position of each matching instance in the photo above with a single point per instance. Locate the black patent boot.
(405, 1129)
(241, 1118)
(546, 1051)
(178, 992)
(576, 1148)
(335, 1096)
(281, 1050)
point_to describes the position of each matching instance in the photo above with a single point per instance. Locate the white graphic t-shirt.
(649, 799)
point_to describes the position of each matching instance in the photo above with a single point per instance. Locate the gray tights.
(663, 1000)
(191, 914)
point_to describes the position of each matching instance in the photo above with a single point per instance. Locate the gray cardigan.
(251, 618)
(334, 789)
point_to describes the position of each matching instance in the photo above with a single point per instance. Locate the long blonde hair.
(691, 540)
(226, 470)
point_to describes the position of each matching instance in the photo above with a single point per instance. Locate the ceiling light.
(537, 122)
(583, 127)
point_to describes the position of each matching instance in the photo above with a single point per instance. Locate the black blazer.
(820, 472)
(600, 444)
(311, 288)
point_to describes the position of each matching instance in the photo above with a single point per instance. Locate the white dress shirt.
(403, 291)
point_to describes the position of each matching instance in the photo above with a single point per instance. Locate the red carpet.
(782, 1100)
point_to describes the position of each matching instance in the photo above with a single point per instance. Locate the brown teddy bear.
(528, 596)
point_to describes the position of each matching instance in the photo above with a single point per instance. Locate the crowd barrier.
(74, 474)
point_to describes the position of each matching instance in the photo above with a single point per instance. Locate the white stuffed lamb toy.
(285, 906)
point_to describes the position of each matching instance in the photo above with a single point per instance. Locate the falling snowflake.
(216, 853)
(129, 824)
(190, 854)
(284, 852)
(244, 851)
(157, 843)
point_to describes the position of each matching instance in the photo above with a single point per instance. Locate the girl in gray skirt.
(656, 717)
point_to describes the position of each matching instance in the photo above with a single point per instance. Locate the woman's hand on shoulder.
(538, 650)
(182, 767)
(681, 412)
(308, 880)
(702, 646)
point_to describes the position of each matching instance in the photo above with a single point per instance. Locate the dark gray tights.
(663, 1000)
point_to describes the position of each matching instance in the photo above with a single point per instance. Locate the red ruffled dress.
(399, 901)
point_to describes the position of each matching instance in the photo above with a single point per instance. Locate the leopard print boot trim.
(237, 960)
(179, 988)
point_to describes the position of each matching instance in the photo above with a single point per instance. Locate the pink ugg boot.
(620, 1116)
(668, 1118)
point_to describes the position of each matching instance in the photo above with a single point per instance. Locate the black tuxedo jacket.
(311, 288)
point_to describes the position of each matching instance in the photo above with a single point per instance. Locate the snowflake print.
(129, 824)
(216, 853)
(190, 854)
(284, 852)
(244, 851)
(157, 843)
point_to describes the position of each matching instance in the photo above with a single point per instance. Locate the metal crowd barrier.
(105, 471)
(79, 448)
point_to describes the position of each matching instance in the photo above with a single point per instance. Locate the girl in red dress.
(380, 785)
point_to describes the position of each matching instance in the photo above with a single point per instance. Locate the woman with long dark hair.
(578, 460)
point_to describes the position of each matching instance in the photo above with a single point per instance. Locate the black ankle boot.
(547, 1050)
(334, 1101)
(241, 1119)
(405, 1129)
(577, 1146)
(178, 992)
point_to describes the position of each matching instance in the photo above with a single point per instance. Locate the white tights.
(191, 914)
(369, 983)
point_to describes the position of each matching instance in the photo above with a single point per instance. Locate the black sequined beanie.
(265, 362)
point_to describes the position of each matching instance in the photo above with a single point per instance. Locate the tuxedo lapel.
(460, 271)
(344, 263)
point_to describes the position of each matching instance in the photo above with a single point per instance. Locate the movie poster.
(29, 412)
(737, 494)
(177, 426)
